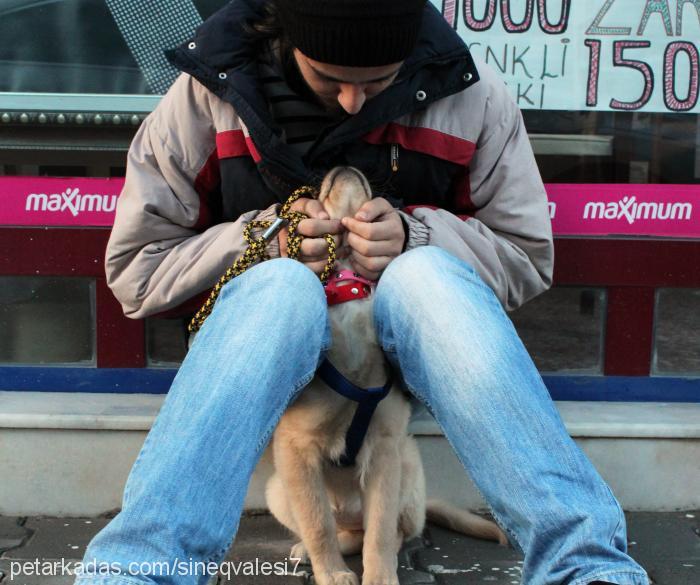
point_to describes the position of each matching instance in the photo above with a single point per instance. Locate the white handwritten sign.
(627, 55)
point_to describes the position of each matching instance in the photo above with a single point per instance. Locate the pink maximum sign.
(575, 210)
(53, 201)
(628, 210)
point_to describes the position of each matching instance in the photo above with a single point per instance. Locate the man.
(273, 95)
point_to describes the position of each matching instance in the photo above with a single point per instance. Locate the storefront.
(610, 94)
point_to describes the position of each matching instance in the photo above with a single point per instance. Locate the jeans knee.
(282, 269)
(420, 262)
(420, 272)
(281, 292)
(287, 279)
(429, 287)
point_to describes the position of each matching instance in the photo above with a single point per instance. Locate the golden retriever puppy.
(379, 502)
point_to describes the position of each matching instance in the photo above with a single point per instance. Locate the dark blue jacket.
(439, 66)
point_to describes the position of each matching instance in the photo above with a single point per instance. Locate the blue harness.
(367, 400)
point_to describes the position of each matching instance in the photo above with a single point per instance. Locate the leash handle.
(271, 232)
(256, 250)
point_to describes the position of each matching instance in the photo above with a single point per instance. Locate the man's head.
(348, 51)
(347, 88)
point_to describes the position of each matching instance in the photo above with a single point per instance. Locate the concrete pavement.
(666, 544)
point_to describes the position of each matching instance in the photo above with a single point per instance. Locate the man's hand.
(376, 236)
(314, 248)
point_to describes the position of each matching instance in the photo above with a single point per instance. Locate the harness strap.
(367, 400)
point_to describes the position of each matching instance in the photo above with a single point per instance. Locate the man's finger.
(374, 263)
(314, 208)
(314, 248)
(373, 209)
(282, 240)
(372, 247)
(317, 267)
(318, 227)
(380, 230)
(311, 207)
(367, 267)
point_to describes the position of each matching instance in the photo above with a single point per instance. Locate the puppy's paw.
(299, 552)
(343, 578)
(380, 576)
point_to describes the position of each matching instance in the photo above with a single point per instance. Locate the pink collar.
(348, 292)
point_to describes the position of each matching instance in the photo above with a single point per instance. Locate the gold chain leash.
(257, 251)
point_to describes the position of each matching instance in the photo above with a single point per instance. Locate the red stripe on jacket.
(206, 182)
(434, 143)
(424, 140)
(232, 143)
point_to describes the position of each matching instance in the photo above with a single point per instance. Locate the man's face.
(342, 88)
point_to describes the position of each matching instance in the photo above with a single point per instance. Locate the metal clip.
(394, 157)
(274, 229)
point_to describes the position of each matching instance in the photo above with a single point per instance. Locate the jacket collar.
(221, 58)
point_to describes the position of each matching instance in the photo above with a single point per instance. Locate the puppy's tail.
(448, 516)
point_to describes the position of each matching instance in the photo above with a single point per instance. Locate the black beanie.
(352, 33)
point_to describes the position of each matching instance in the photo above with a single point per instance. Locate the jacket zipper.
(394, 157)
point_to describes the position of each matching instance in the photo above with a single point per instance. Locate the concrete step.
(69, 454)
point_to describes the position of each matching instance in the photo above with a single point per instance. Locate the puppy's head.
(343, 191)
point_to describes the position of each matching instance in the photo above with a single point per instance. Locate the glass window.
(615, 147)
(109, 57)
(166, 341)
(47, 320)
(83, 46)
(677, 332)
(562, 329)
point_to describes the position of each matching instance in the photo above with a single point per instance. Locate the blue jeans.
(458, 353)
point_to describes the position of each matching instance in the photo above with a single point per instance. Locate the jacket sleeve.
(508, 241)
(156, 258)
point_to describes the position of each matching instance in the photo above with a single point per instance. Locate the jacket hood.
(221, 56)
